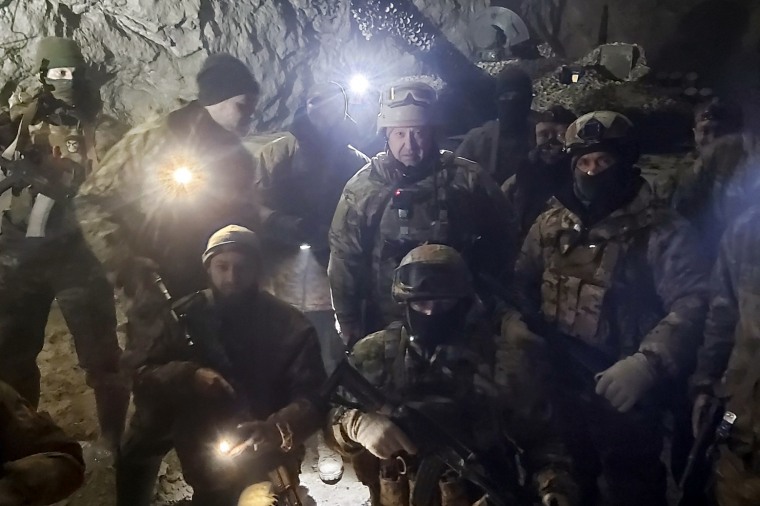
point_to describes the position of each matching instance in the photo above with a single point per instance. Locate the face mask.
(430, 331)
(592, 189)
(65, 90)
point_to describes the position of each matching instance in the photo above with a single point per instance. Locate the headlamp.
(359, 84)
(305, 246)
(183, 175)
(179, 175)
(231, 446)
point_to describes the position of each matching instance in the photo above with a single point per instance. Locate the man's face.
(550, 139)
(232, 273)
(60, 74)
(326, 111)
(596, 163)
(235, 114)
(705, 132)
(410, 145)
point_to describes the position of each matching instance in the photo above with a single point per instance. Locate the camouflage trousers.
(71, 275)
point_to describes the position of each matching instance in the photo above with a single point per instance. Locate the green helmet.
(407, 104)
(432, 271)
(600, 131)
(57, 52)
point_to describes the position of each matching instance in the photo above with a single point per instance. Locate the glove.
(626, 382)
(378, 434)
(555, 499)
(261, 433)
(698, 412)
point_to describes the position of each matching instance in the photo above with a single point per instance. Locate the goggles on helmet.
(431, 307)
(405, 94)
(592, 131)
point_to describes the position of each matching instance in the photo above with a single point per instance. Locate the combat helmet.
(599, 131)
(432, 272)
(407, 104)
(57, 52)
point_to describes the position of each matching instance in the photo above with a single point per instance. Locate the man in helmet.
(409, 195)
(254, 364)
(502, 145)
(61, 133)
(300, 175)
(625, 278)
(40, 464)
(442, 348)
(723, 181)
(545, 172)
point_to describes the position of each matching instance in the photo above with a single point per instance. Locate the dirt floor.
(72, 405)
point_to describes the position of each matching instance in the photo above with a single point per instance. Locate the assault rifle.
(440, 451)
(24, 172)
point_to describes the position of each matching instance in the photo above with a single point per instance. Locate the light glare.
(359, 84)
(305, 246)
(183, 175)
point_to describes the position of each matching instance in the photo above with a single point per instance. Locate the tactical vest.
(65, 154)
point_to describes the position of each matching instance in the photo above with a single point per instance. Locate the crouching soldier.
(442, 356)
(39, 464)
(232, 392)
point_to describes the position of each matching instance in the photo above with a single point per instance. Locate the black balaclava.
(430, 331)
(514, 95)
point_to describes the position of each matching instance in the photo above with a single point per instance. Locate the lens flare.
(183, 175)
(305, 247)
(225, 447)
(359, 84)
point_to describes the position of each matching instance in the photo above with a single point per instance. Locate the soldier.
(61, 133)
(443, 348)
(253, 357)
(546, 170)
(411, 194)
(164, 189)
(722, 183)
(502, 145)
(40, 464)
(622, 280)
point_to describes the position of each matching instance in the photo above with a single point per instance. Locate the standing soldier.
(63, 139)
(409, 195)
(612, 273)
(501, 146)
(727, 366)
(443, 349)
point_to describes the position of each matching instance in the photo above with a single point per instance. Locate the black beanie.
(222, 77)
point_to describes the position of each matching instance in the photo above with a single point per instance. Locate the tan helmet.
(57, 52)
(601, 130)
(407, 104)
(229, 235)
(432, 271)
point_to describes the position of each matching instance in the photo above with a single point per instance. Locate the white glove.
(626, 382)
(378, 434)
(555, 499)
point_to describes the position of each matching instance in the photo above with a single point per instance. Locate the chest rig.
(580, 270)
(419, 214)
(62, 146)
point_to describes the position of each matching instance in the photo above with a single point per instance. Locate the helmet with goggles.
(432, 272)
(407, 104)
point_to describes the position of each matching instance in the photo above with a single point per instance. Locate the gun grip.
(429, 474)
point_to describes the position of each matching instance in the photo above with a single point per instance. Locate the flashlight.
(182, 175)
(227, 447)
(358, 84)
(305, 247)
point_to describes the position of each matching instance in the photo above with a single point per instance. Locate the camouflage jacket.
(728, 359)
(299, 180)
(162, 191)
(38, 459)
(721, 185)
(500, 157)
(634, 281)
(66, 148)
(380, 218)
(493, 384)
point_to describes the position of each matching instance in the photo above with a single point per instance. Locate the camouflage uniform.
(270, 354)
(718, 188)
(727, 362)
(299, 179)
(39, 462)
(500, 156)
(391, 362)
(632, 282)
(456, 204)
(133, 207)
(42, 259)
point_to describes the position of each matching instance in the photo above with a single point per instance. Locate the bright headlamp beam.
(305, 246)
(182, 175)
(359, 84)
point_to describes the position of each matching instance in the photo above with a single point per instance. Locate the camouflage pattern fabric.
(518, 404)
(41, 462)
(367, 241)
(727, 361)
(510, 153)
(632, 282)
